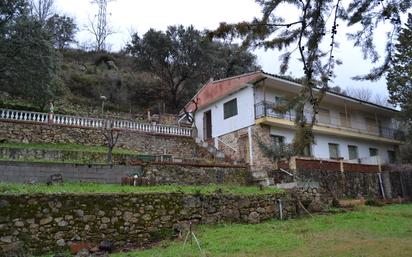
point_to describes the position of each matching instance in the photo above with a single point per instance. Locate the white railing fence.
(67, 120)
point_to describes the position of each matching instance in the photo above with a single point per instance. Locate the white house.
(232, 112)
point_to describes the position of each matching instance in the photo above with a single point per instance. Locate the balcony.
(265, 113)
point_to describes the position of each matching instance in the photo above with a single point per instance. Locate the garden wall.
(43, 222)
(354, 184)
(144, 143)
(25, 172)
(158, 173)
(11, 153)
(189, 174)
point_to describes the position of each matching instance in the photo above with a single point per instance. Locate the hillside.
(85, 76)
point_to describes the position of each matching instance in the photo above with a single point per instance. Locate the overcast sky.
(141, 15)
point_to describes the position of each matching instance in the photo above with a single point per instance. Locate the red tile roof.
(214, 90)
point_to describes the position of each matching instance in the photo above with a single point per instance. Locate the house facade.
(237, 114)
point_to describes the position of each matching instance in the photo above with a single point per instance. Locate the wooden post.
(346, 115)
(292, 163)
(341, 165)
(264, 98)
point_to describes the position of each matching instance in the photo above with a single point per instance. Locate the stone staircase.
(217, 154)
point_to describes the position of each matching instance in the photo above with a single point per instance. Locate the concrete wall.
(21, 172)
(39, 223)
(221, 126)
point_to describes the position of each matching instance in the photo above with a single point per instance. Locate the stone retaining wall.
(144, 143)
(354, 184)
(186, 174)
(44, 222)
(8, 153)
(24, 172)
(159, 173)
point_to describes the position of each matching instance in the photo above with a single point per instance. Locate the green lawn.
(369, 231)
(68, 147)
(9, 188)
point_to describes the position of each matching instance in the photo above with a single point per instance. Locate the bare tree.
(364, 94)
(382, 100)
(42, 9)
(99, 27)
(111, 136)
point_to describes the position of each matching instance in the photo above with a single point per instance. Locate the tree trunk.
(110, 156)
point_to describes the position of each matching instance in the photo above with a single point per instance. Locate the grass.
(67, 147)
(36, 160)
(10, 188)
(369, 231)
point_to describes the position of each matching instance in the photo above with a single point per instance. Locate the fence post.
(292, 163)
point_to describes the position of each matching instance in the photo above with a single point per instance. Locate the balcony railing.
(266, 109)
(67, 120)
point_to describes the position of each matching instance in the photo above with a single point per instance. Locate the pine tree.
(399, 76)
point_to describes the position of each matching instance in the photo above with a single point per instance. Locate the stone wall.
(144, 143)
(69, 156)
(44, 222)
(355, 184)
(189, 174)
(22, 172)
(158, 173)
(234, 140)
(239, 140)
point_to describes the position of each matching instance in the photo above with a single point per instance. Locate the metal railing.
(78, 121)
(267, 109)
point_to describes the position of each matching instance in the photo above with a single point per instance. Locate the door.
(207, 124)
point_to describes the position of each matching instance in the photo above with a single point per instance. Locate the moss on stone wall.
(45, 222)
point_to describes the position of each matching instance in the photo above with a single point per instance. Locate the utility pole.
(101, 30)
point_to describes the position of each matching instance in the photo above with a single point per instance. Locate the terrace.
(265, 113)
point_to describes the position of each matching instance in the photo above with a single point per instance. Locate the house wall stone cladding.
(39, 223)
(261, 163)
(233, 140)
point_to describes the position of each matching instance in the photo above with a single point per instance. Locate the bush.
(374, 202)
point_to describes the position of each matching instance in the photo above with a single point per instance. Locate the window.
(277, 141)
(333, 151)
(353, 152)
(391, 156)
(373, 152)
(230, 109)
(324, 116)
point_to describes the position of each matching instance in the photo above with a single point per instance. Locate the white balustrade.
(6, 114)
